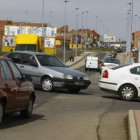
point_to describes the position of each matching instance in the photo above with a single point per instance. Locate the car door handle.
(22, 66)
(136, 78)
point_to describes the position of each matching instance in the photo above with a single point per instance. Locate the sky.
(112, 14)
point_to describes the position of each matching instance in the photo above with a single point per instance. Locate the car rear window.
(111, 60)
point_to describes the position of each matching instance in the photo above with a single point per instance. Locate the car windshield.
(108, 60)
(25, 47)
(48, 60)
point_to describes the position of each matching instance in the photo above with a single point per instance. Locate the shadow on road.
(65, 91)
(15, 120)
(118, 98)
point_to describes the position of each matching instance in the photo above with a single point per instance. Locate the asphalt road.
(90, 115)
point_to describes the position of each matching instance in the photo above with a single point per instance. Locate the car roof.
(29, 52)
(112, 58)
(5, 58)
(128, 66)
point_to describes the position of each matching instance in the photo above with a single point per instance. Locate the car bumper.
(108, 85)
(72, 84)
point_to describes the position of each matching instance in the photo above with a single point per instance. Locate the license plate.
(78, 83)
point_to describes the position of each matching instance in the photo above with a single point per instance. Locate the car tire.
(47, 84)
(85, 69)
(1, 111)
(74, 90)
(28, 111)
(127, 92)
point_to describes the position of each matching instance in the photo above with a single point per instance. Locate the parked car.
(124, 80)
(48, 71)
(16, 94)
(109, 63)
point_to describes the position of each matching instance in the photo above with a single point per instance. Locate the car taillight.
(102, 65)
(105, 74)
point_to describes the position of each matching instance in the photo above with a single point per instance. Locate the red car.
(16, 94)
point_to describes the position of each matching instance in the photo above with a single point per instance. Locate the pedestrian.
(70, 58)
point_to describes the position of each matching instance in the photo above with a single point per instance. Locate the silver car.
(48, 71)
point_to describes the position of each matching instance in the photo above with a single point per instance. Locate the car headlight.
(86, 78)
(66, 77)
(69, 77)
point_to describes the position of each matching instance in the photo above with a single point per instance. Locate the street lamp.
(128, 49)
(51, 18)
(86, 35)
(76, 34)
(82, 30)
(135, 22)
(139, 22)
(64, 56)
(96, 28)
(42, 18)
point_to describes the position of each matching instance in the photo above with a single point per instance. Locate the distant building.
(135, 38)
(4, 23)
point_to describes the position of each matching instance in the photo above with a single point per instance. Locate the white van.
(91, 63)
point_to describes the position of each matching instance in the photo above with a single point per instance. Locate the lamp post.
(135, 22)
(42, 18)
(139, 22)
(86, 36)
(76, 34)
(129, 41)
(64, 56)
(82, 30)
(51, 18)
(96, 28)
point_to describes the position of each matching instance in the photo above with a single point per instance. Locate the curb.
(133, 133)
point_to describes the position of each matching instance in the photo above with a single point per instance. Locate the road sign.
(109, 38)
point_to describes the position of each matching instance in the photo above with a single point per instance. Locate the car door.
(30, 68)
(8, 85)
(135, 75)
(23, 93)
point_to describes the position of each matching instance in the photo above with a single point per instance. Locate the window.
(6, 70)
(26, 47)
(16, 72)
(28, 59)
(135, 70)
(111, 60)
(16, 57)
(48, 60)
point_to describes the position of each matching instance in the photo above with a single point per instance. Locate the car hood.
(67, 71)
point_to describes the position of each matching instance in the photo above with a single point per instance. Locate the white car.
(109, 63)
(124, 80)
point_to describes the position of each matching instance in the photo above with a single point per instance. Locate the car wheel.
(28, 111)
(74, 90)
(85, 69)
(127, 92)
(47, 84)
(1, 111)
